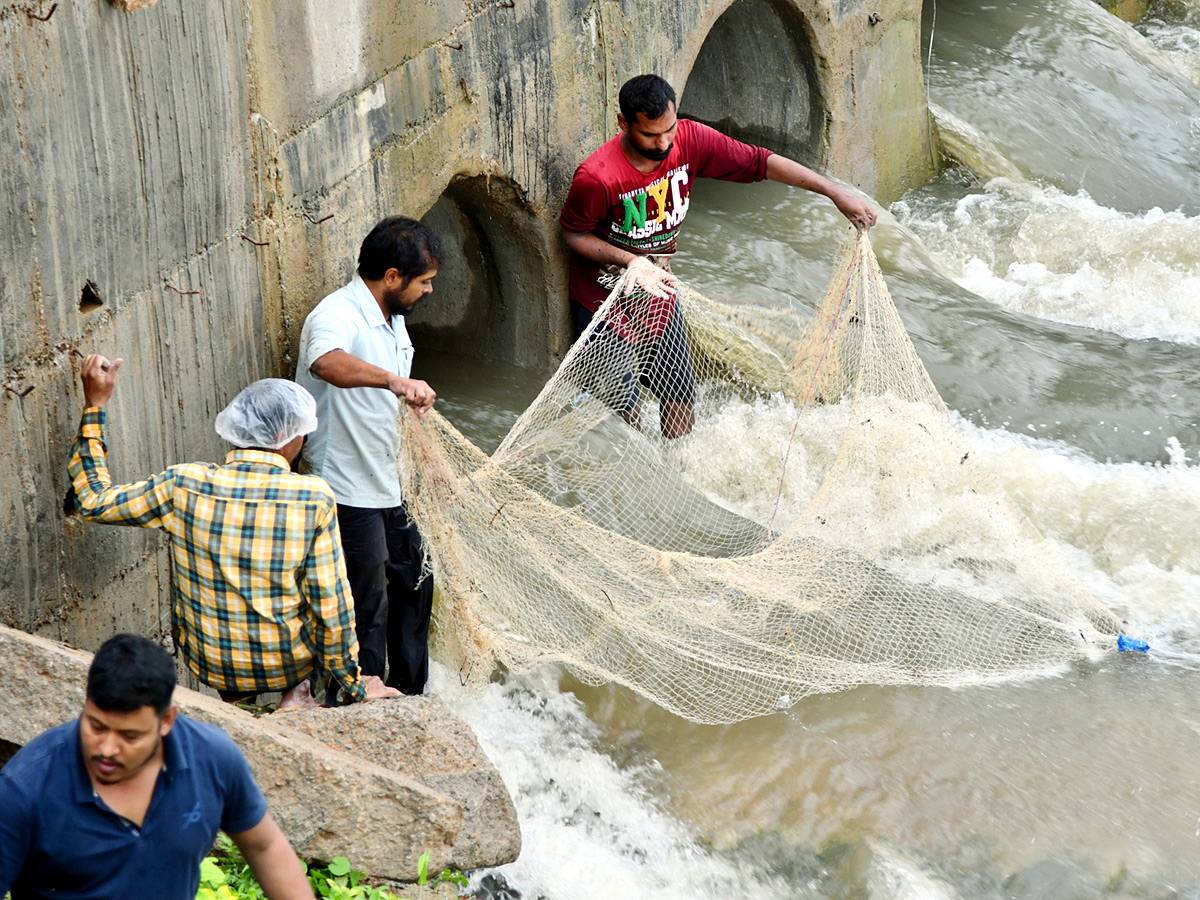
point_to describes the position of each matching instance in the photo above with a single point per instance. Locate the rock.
(420, 737)
(328, 801)
(42, 682)
(1051, 879)
(879, 870)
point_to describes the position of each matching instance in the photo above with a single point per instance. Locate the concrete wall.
(127, 167)
(183, 183)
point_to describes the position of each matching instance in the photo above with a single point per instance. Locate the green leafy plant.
(341, 882)
(447, 876)
(454, 877)
(423, 869)
(227, 876)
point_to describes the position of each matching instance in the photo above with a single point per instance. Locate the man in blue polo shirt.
(356, 360)
(127, 800)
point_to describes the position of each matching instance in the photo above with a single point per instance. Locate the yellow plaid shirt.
(260, 596)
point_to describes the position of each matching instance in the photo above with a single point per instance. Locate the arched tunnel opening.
(754, 79)
(491, 294)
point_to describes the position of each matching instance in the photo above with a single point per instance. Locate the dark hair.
(129, 672)
(399, 243)
(646, 94)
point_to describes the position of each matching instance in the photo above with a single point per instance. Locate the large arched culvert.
(755, 80)
(492, 294)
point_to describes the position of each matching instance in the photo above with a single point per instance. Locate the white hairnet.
(268, 414)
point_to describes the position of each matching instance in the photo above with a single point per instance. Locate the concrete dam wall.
(182, 183)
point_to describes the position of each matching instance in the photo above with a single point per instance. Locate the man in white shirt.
(355, 359)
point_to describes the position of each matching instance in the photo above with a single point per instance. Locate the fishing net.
(824, 524)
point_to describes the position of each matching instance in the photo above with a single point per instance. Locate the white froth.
(1127, 529)
(1065, 258)
(1178, 41)
(590, 830)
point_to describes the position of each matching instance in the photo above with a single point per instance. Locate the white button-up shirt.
(355, 446)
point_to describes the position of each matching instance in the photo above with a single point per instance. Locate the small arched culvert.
(755, 80)
(491, 298)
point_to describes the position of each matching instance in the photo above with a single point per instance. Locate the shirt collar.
(257, 458)
(82, 787)
(366, 302)
(174, 759)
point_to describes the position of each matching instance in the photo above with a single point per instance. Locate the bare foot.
(377, 690)
(299, 697)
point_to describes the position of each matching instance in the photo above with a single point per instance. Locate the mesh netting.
(823, 525)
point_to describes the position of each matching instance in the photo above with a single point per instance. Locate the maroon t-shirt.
(641, 212)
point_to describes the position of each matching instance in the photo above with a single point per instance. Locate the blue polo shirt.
(58, 838)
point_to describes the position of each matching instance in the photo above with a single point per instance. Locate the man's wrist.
(355, 693)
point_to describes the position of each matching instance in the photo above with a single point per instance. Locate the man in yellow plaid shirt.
(260, 599)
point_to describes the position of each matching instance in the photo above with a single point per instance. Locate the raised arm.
(345, 370)
(143, 503)
(852, 206)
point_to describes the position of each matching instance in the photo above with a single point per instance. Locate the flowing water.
(1058, 311)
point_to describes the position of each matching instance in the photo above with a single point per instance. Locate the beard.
(394, 301)
(654, 155)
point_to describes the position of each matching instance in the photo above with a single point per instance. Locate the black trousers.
(393, 597)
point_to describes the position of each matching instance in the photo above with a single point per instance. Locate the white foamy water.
(1082, 782)
(1174, 30)
(754, 452)
(1015, 791)
(1065, 258)
(590, 830)
(944, 493)
(1128, 530)
(600, 821)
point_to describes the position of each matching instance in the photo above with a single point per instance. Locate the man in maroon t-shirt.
(626, 204)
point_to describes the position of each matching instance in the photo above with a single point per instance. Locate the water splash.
(1065, 258)
(590, 830)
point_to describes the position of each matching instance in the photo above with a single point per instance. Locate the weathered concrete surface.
(126, 179)
(836, 85)
(380, 812)
(183, 183)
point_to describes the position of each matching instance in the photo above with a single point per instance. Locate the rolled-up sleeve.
(147, 504)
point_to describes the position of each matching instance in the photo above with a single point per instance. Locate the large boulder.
(420, 737)
(379, 784)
